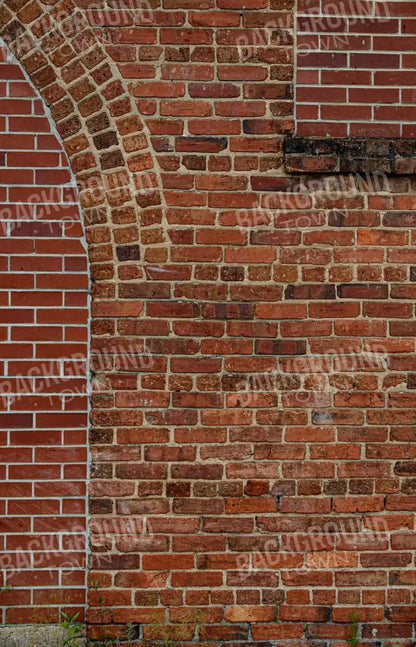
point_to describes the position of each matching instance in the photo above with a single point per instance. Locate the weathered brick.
(229, 298)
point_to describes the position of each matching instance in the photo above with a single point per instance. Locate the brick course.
(252, 334)
(354, 62)
(44, 350)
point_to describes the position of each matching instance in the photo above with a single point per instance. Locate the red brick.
(193, 344)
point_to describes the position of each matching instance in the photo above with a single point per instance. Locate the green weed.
(354, 620)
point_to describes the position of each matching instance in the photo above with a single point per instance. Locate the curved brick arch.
(103, 135)
(108, 151)
(296, 287)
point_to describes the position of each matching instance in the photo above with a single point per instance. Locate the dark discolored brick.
(112, 160)
(105, 140)
(98, 122)
(128, 252)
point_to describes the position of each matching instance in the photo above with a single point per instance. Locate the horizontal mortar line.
(36, 291)
(10, 149)
(311, 48)
(345, 86)
(45, 202)
(351, 103)
(46, 221)
(332, 32)
(331, 122)
(28, 499)
(361, 17)
(33, 203)
(63, 272)
(318, 68)
(45, 465)
(25, 184)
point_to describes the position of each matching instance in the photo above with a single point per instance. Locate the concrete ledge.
(353, 155)
(36, 636)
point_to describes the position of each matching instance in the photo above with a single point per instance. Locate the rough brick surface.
(356, 155)
(252, 337)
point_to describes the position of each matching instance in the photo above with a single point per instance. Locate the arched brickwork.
(107, 148)
(252, 423)
(103, 136)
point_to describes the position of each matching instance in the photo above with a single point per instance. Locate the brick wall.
(44, 335)
(355, 64)
(252, 418)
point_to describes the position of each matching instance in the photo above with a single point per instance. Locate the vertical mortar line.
(295, 65)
